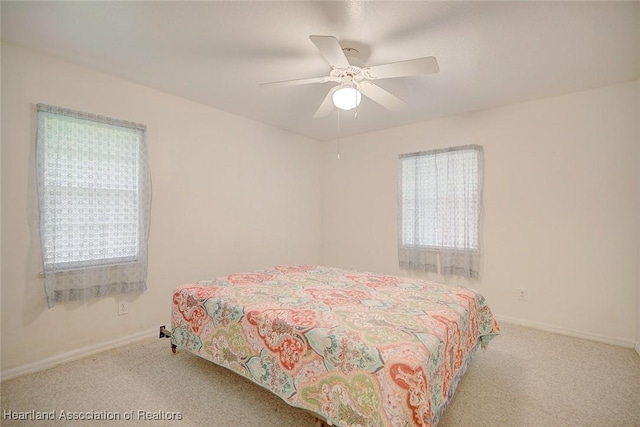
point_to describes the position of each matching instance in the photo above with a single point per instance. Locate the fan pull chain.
(338, 134)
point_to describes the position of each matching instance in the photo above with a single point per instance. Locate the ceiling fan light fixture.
(347, 98)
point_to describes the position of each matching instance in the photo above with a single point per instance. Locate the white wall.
(0, 205)
(229, 195)
(638, 181)
(561, 207)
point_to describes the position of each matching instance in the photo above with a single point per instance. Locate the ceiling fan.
(355, 79)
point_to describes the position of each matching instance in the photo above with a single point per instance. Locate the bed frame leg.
(166, 334)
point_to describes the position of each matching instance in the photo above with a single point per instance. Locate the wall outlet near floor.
(524, 295)
(123, 308)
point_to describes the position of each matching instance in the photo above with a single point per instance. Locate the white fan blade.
(331, 51)
(327, 104)
(381, 96)
(295, 82)
(411, 67)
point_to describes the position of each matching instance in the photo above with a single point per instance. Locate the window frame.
(478, 152)
(141, 233)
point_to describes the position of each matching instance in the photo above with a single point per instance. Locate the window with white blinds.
(440, 209)
(94, 198)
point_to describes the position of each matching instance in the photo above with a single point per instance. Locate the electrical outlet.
(123, 308)
(524, 295)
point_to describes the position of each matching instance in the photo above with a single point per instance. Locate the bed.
(354, 348)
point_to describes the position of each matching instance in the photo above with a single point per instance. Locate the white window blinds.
(94, 194)
(440, 200)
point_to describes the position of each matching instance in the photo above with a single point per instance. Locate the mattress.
(354, 348)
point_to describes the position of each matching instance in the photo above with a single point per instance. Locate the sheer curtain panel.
(94, 197)
(439, 210)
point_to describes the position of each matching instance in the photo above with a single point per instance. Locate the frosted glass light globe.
(347, 98)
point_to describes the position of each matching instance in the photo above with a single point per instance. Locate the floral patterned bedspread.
(358, 349)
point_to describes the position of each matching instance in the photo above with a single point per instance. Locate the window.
(94, 200)
(440, 200)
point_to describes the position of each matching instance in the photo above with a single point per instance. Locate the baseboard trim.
(70, 356)
(622, 342)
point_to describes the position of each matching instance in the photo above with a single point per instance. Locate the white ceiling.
(217, 53)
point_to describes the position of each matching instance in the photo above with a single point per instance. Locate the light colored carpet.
(525, 378)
